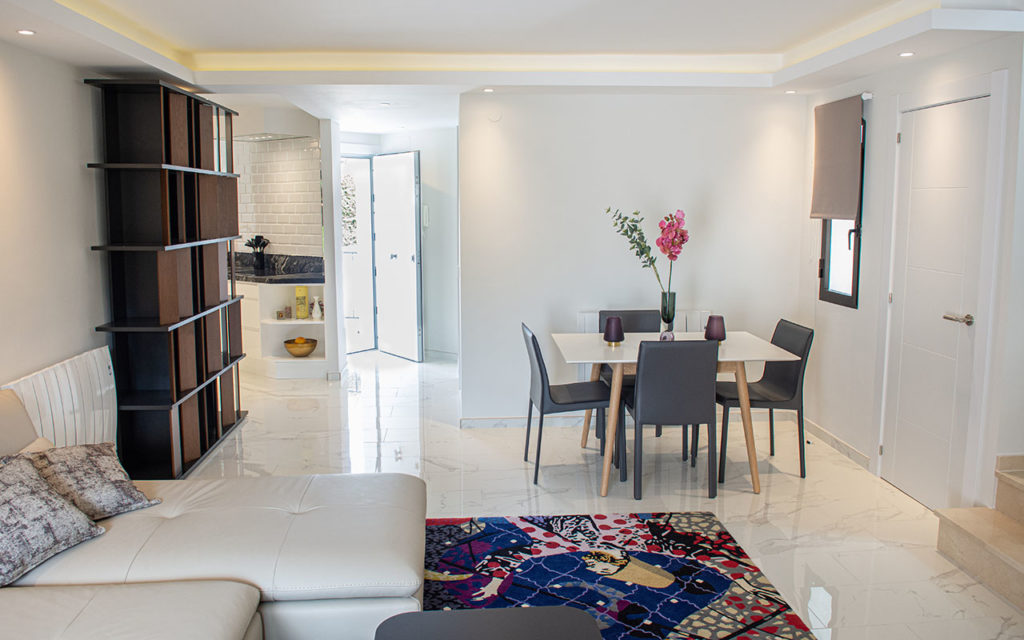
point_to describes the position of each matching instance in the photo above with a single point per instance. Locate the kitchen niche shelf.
(172, 212)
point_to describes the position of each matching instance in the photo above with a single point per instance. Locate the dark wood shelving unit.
(172, 212)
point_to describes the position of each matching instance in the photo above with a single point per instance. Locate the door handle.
(966, 319)
(394, 256)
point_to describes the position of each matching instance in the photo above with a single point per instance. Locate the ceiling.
(387, 65)
(481, 26)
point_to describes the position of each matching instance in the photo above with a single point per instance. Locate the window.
(839, 268)
(837, 199)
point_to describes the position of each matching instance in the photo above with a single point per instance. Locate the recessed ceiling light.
(26, 32)
(385, 104)
(906, 54)
(790, 91)
(488, 90)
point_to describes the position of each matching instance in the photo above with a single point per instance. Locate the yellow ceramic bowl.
(300, 350)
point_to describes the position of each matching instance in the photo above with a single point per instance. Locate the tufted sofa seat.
(331, 555)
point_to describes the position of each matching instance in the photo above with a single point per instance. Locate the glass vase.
(668, 310)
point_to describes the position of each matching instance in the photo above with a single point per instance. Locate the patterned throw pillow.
(35, 522)
(91, 478)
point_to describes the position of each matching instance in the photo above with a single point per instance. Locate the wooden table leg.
(595, 375)
(609, 432)
(740, 372)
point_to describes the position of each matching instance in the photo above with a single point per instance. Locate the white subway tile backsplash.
(279, 194)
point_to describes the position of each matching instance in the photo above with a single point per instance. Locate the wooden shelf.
(156, 166)
(293, 321)
(161, 247)
(309, 358)
(162, 400)
(149, 325)
(172, 212)
(106, 82)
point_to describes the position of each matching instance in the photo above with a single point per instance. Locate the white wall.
(844, 385)
(538, 171)
(52, 287)
(439, 182)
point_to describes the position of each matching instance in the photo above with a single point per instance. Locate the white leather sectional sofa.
(312, 557)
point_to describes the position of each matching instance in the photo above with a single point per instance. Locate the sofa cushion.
(295, 538)
(35, 522)
(157, 611)
(90, 477)
(16, 429)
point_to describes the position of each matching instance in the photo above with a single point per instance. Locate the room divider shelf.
(172, 212)
(161, 247)
(150, 325)
(161, 400)
(153, 166)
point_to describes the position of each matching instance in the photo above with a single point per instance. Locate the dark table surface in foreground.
(513, 623)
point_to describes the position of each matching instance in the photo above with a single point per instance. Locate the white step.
(988, 545)
(1010, 494)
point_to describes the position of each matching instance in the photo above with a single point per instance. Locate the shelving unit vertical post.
(172, 212)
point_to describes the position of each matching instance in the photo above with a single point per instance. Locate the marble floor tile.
(853, 555)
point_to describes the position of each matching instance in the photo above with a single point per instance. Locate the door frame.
(418, 232)
(373, 250)
(980, 438)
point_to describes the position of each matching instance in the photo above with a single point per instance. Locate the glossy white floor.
(853, 555)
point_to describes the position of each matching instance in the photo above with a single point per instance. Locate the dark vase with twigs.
(670, 241)
(259, 258)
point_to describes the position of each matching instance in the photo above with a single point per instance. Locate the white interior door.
(357, 254)
(936, 261)
(396, 209)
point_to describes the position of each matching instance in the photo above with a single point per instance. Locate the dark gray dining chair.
(559, 398)
(780, 387)
(675, 384)
(633, 321)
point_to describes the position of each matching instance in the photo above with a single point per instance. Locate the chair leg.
(599, 420)
(694, 445)
(771, 431)
(657, 431)
(529, 418)
(725, 438)
(800, 431)
(712, 472)
(621, 436)
(540, 433)
(686, 442)
(638, 464)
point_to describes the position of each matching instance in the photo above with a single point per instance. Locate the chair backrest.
(788, 377)
(675, 382)
(633, 320)
(539, 389)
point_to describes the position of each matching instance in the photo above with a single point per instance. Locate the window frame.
(824, 293)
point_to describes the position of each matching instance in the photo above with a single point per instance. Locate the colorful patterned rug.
(641, 575)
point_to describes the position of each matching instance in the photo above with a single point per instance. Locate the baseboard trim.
(557, 420)
(837, 443)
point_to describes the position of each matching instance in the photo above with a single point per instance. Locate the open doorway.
(381, 265)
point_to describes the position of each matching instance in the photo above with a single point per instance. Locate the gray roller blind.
(837, 159)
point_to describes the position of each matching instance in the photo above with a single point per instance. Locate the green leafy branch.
(628, 226)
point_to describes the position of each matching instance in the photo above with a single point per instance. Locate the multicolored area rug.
(641, 575)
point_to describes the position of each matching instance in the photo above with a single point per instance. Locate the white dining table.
(738, 348)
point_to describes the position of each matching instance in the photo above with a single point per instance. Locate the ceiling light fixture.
(906, 54)
(488, 90)
(26, 32)
(385, 104)
(790, 92)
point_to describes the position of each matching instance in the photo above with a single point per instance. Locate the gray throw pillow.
(90, 477)
(35, 522)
